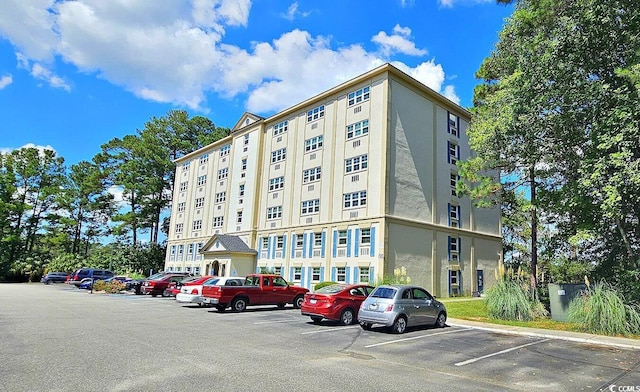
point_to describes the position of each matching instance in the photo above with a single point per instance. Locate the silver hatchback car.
(400, 306)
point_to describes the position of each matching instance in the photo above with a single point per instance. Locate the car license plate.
(313, 301)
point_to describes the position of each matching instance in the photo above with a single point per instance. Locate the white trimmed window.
(341, 274)
(315, 113)
(297, 273)
(241, 190)
(342, 238)
(364, 275)
(277, 270)
(310, 206)
(244, 164)
(218, 221)
(357, 129)
(274, 212)
(356, 163)
(280, 128)
(355, 199)
(315, 274)
(317, 240)
(454, 152)
(313, 144)
(204, 158)
(179, 227)
(299, 241)
(311, 175)
(453, 125)
(197, 224)
(190, 249)
(239, 217)
(181, 206)
(202, 180)
(454, 177)
(183, 186)
(279, 155)
(246, 140)
(276, 183)
(185, 166)
(225, 150)
(265, 243)
(199, 202)
(221, 197)
(223, 173)
(365, 236)
(359, 96)
(279, 242)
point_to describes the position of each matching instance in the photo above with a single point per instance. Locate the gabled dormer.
(246, 120)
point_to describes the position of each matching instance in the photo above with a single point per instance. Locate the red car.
(156, 285)
(338, 302)
(174, 287)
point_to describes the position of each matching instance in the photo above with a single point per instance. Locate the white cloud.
(174, 51)
(6, 150)
(451, 3)
(5, 80)
(293, 11)
(398, 42)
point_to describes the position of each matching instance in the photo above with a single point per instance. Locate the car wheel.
(316, 320)
(346, 318)
(282, 305)
(365, 326)
(441, 320)
(297, 301)
(239, 304)
(400, 325)
(221, 308)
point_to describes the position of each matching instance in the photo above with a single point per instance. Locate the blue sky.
(75, 74)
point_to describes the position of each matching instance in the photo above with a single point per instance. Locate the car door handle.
(416, 306)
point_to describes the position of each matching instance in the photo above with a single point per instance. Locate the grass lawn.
(476, 310)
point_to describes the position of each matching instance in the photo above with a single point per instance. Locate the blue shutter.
(449, 248)
(347, 273)
(257, 270)
(284, 246)
(302, 276)
(372, 275)
(460, 251)
(269, 246)
(304, 245)
(459, 218)
(356, 275)
(311, 235)
(448, 214)
(309, 273)
(356, 250)
(448, 149)
(334, 270)
(372, 250)
(324, 242)
(291, 274)
(335, 244)
(349, 242)
(259, 246)
(293, 245)
(322, 274)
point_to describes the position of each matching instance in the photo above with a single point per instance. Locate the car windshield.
(211, 282)
(156, 276)
(384, 292)
(334, 288)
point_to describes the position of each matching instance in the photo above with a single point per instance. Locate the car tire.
(239, 304)
(400, 325)
(366, 326)
(316, 320)
(297, 301)
(221, 308)
(441, 320)
(347, 317)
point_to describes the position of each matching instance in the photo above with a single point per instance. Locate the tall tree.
(557, 114)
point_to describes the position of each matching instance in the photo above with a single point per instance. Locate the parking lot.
(56, 337)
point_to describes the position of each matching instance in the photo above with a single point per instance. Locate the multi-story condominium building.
(346, 186)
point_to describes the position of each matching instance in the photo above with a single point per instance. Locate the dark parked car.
(156, 285)
(93, 273)
(55, 277)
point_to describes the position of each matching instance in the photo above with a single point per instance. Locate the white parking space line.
(417, 337)
(468, 361)
(329, 330)
(276, 321)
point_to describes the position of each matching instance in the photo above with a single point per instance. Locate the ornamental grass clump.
(511, 298)
(399, 277)
(602, 310)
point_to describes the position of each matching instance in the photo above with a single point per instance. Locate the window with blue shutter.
(372, 249)
(349, 234)
(284, 246)
(305, 243)
(291, 272)
(293, 245)
(356, 275)
(372, 275)
(334, 251)
(334, 271)
(356, 250)
(311, 236)
(324, 243)
(347, 274)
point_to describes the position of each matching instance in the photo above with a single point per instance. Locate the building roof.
(228, 243)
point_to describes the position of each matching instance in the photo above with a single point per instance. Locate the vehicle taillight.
(195, 291)
(389, 308)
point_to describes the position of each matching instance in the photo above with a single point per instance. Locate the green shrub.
(511, 298)
(323, 284)
(602, 310)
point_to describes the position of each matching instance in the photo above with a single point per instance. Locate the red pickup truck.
(259, 289)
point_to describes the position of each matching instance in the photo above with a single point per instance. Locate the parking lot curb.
(577, 337)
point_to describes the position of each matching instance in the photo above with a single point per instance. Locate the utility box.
(560, 296)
